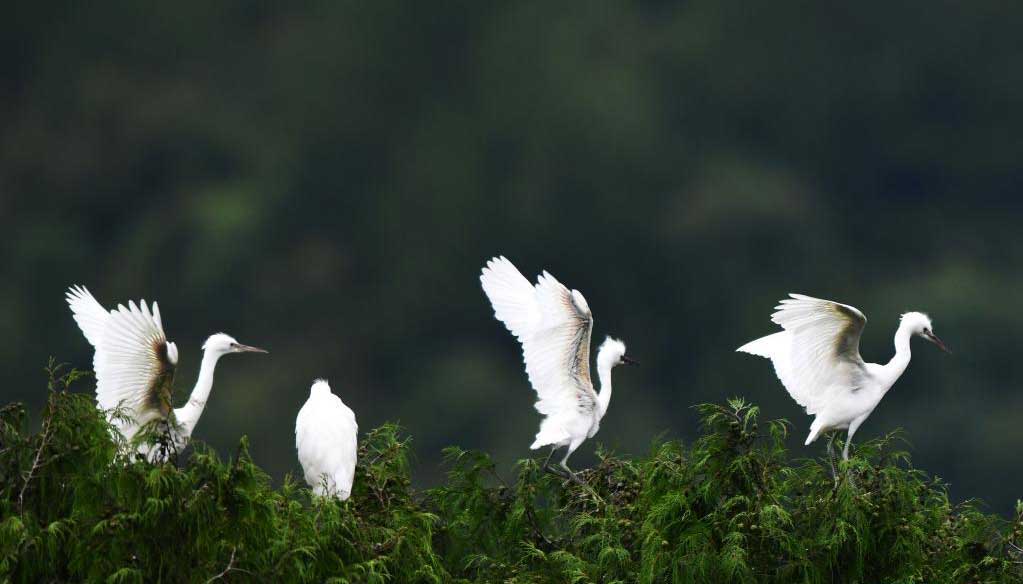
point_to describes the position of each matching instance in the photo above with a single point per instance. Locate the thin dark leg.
(831, 456)
(547, 464)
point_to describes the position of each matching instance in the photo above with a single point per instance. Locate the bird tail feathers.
(815, 430)
(548, 436)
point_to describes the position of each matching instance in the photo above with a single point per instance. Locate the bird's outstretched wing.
(89, 314)
(134, 363)
(818, 353)
(326, 437)
(553, 324)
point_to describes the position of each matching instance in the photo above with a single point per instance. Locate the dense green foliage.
(729, 508)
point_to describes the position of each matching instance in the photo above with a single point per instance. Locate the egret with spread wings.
(326, 437)
(553, 324)
(817, 358)
(135, 363)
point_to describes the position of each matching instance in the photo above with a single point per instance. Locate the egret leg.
(547, 461)
(831, 456)
(547, 464)
(853, 426)
(564, 463)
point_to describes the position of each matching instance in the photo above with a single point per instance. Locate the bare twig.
(230, 568)
(39, 454)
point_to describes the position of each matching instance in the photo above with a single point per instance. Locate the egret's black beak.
(934, 339)
(627, 361)
(247, 349)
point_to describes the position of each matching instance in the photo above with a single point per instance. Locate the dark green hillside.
(731, 507)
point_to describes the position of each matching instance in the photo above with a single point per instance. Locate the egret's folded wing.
(133, 368)
(823, 353)
(89, 314)
(553, 324)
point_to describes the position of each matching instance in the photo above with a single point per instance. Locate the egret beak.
(247, 349)
(934, 339)
(627, 361)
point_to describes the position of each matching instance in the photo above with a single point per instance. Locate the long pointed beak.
(628, 361)
(941, 345)
(249, 349)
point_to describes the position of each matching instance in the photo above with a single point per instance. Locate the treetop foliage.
(731, 507)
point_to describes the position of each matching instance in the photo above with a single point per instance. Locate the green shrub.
(729, 508)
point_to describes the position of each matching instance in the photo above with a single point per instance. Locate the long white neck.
(604, 374)
(894, 368)
(188, 415)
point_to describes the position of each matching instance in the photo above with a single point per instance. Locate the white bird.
(326, 437)
(135, 364)
(817, 358)
(553, 325)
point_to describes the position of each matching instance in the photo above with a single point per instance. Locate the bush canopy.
(731, 507)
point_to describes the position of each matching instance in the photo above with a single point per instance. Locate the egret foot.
(571, 475)
(555, 471)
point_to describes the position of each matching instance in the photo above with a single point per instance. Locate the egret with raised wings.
(326, 437)
(817, 358)
(135, 364)
(554, 324)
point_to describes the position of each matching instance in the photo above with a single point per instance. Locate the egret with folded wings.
(817, 358)
(135, 363)
(327, 441)
(553, 324)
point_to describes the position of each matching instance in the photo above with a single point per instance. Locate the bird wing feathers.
(818, 353)
(134, 362)
(89, 314)
(326, 437)
(553, 324)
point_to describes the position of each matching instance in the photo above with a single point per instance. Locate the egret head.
(920, 324)
(221, 344)
(320, 386)
(612, 353)
(172, 353)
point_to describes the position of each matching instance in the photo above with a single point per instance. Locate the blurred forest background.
(326, 179)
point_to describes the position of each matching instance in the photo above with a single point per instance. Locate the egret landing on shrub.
(817, 358)
(135, 363)
(554, 325)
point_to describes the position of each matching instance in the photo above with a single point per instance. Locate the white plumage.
(554, 324)
(135, 364)
(817, 358)
(326, 437)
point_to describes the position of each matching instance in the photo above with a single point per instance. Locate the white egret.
(326, 437)
(817, 358)
(554, 325)
(135, 364)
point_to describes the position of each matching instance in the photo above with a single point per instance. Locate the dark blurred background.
(327, 178)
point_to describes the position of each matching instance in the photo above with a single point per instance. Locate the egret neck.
(898, 363)
(188, 415)
(604, 367)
